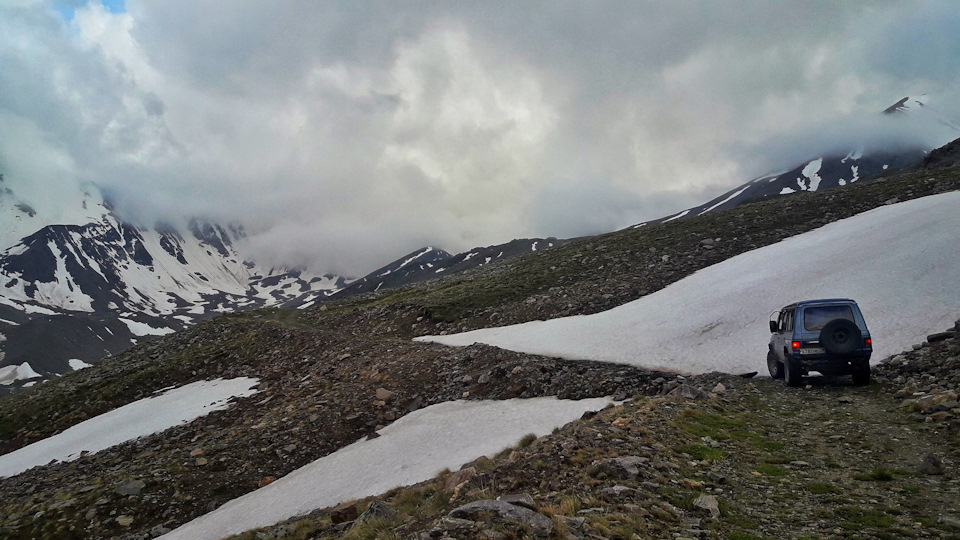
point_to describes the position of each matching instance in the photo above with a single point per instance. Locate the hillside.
(320, 370)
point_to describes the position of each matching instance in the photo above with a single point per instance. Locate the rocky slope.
(714, 456)
(332, 374)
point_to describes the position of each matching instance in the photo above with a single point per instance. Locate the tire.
(792, 375)
(774, 366)
(861, 374)
(840, 337)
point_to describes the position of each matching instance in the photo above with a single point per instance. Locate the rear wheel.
(774, 366)
(791, 372)
(861, 374)
(840, 336)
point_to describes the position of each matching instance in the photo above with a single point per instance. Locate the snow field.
(77, 364)
(9, 374)
(900, 262)
(137, 419)
(144, 329)
(412, 449)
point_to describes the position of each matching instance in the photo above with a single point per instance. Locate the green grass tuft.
(820, 488)
(702, 452)
(771, 470)
(878, 474)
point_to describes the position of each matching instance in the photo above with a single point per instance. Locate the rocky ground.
(830, 459)
(712, 456)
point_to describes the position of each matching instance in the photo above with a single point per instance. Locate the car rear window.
(814, 318)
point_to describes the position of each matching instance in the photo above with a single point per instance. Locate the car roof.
(820, 302)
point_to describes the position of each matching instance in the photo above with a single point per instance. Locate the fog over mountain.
(342, 134)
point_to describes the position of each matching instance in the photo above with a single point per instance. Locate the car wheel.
(791, 372)
(861, 374)
(840, 336)
(774, 366)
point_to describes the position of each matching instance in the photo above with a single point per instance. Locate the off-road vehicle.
(828, 336)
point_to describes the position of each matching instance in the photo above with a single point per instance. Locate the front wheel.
(861, 374)
(791, 372)
(774, 366)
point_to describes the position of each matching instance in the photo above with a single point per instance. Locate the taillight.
(796, 345)
(868, 342)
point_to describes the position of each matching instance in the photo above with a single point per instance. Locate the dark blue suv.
(828, 336)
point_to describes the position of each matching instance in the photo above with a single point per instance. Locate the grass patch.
(375, 529)
(878, 474)
(410, 501)
(726, 427)
(856, 517)
(767, 445)
(820, 488)
(771, 470)
(731, 516)
(526, 440)
(702, 452)
(716, 426)
(740, 535)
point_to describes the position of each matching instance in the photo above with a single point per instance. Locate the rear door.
(783, 332)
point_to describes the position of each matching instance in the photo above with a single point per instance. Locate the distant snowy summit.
(840, 167)
(430, 262)
(80, 284)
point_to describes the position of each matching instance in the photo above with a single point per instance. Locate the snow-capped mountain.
(430, 262)
(824, 172)
(833, 169)
(92, 284)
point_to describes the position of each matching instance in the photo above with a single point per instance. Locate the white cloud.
(343, 135)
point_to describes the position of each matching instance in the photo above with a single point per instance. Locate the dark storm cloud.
(343, 134)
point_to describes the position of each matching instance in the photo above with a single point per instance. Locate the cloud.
(343, 135)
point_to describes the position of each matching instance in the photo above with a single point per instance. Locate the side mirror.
(773, 327)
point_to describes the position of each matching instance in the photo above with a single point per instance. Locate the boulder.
(519, 499)
(931, 464)
(501, 512)
(688, 392)
(459, 479)
(625, 467)
(708, 503)
(377, 510)
(344, 513)
(133, 487)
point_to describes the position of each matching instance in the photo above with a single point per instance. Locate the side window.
(781, 321)
(789, 320)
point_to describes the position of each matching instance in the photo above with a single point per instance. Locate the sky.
(342, 135)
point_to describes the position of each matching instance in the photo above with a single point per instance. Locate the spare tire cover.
(840, 336)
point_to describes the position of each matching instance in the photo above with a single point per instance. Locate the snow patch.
(138, 419)
(9, 374)
(854, 155)
(810, 172)
(728, 199)
(678, 216)
(787, 191)
(414, 448)
(77, 365)
(897, 261)
(143, 329)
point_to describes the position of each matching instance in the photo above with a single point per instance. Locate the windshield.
(814, 318)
